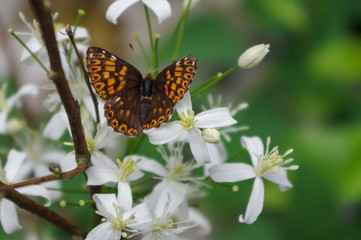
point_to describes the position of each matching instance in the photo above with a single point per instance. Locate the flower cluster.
(137, 195)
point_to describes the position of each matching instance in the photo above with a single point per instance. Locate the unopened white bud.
(253, 56)
(211, 135)
(13, 126)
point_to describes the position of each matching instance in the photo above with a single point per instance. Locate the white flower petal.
(135, 175)
(36, 191)
(104, 231)
(34, 45)
(3, 118)
(165, 133)
(100, 175)
(55, 195)
(161, 8)
(158, 199)
(80, 34)
(13, 163)
(124, 198)
(103, 136)
(231, 172)
(218, 155)
(254, 146)
(214, 118)
(203, 224)
(141, 213)
(51, 156)
(104, 204)
(8, 216)
(198, 147)
(152, 166)
(56, 126)
(117, 8)
(184, 104)
(100, 159)
(279, 177)
(28, 89)
(68, 162)
(255, 204)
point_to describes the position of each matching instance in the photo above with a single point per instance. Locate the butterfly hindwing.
(169, 87)
(111, 75)
(123, 113)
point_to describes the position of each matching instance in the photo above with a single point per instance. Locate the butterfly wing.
(110, 75)
(122, 113)
(119, 83)
(169, 87)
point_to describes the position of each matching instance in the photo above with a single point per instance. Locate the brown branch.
(82, 164)
(56, 74)
(41, 211)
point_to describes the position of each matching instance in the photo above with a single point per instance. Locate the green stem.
(210, 82)
(134, 145)
(181, 31)
(81, 13)
(142, 50)
(68, 190)
(11, 32)
(236, 155)
(150, 35)
(155, 57)
(175, 30)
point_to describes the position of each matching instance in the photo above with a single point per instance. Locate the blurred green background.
(306, 95)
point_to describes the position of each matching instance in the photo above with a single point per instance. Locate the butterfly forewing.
(169, 87)
(110, 75)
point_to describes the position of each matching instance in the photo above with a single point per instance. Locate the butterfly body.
(134, 103)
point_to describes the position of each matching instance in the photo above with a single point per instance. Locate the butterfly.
(134, 103)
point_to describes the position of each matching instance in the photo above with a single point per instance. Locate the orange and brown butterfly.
(134, 103)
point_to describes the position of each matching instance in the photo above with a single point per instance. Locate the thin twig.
(85, 73)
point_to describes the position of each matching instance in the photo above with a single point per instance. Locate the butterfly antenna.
(144, 61)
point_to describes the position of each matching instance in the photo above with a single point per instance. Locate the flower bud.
(252, 56)
(13, 126)
(211, 135)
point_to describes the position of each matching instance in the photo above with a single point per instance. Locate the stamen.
(127, 167)
(187, 121)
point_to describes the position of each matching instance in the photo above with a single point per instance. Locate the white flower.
(105, 171)
(6, 105)
(58, 123)
(218, 154)
(36, 44)
(253, 56)
(10, 174)
(118, 217)
(233, 110)
(103, 136)
(39, 156)
(164, 225)
(176, 175)
(161, 8)
(188, 128)
(266, 165)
